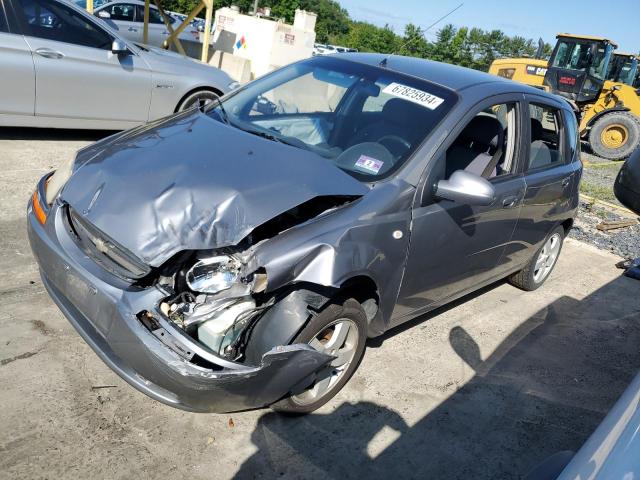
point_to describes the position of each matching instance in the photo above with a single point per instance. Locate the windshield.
(580, 56)
(628, 71)
(367, 120)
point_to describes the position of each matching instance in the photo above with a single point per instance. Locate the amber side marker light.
(37, 208)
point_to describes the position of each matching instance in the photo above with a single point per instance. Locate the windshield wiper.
(223, 112)
(268, 136)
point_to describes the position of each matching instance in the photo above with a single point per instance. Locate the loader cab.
(623, 68)
(578, 67)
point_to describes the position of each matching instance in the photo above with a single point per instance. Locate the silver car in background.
(64, 68)
(127, 17)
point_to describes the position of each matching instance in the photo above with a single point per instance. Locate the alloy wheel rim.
(614, 136)
(338, 339)
(546, 258)
(200, 100)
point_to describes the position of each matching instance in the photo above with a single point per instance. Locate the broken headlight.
(213, 274)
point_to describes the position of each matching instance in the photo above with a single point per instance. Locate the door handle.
(131, 29)
(566, 181)
(510, 201)
(46, 53)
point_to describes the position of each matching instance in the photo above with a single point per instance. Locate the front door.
(77, 75)
(17, 79)
(454, 247)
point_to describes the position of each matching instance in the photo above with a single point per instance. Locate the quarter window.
(54, 21)
(546, 137)
(487, 144)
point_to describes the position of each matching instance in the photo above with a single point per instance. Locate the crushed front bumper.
(103, 308)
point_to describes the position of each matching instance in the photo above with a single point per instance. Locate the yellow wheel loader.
(597, 82)
(585, 71)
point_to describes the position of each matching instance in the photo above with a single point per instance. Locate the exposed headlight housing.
(59, 179)
(214, 274)
(233, 85)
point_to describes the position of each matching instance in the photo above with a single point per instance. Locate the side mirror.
(615, 88)
(119, 47)
(104, 14)
(467, 188)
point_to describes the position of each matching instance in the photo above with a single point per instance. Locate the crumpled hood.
(192, 183)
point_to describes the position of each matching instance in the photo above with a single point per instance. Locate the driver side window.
(53, 21)
(487, 144)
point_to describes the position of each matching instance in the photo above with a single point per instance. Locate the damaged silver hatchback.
(239, 255)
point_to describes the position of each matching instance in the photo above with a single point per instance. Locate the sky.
(527, 18)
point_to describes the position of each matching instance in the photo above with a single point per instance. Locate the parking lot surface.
(485, 388)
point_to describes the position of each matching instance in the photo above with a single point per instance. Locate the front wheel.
(199, 98)
(538, 269)
(615, 135)
(340, 331)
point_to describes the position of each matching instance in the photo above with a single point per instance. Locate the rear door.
(456, 248)
(17, 74)
(157, 29)
(122, 16)
(77, 75)
(552, 175)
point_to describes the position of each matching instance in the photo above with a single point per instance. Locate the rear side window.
(546, 137)
(55, 21)
(573, 136)
(121, 11)
(154, 15)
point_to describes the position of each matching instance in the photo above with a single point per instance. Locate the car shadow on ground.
(543, 390)
(52, 134)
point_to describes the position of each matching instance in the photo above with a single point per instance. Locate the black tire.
(624, 125)
(526, 278)
(197, 96)
(351, 310)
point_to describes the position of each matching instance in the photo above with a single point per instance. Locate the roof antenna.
(383, 62)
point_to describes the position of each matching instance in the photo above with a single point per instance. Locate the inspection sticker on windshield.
(369, 164)
(413, 95)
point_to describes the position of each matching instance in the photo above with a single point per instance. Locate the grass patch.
(604, 165)
(598, 192)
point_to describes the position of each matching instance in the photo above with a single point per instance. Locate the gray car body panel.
(113, 92)
(103, 310)
(192, 183)
(204, 200)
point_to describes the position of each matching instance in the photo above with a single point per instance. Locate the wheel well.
(567, 225)
(599, 115)
(194, 90)
(365, 291)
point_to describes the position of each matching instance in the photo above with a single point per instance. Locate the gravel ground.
(597, 181)
(624, 242)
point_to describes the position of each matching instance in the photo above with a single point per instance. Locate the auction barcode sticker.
(413, 95)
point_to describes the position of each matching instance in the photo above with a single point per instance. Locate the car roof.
(454, 77)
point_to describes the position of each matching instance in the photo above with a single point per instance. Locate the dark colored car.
(240, 256)
(627, 184)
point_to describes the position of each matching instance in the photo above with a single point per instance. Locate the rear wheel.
(615, 135)
(340, 331)
(538, 269)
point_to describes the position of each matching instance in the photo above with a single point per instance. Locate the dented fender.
(368, 238)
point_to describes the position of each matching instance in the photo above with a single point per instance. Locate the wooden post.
(207, 30)
(145, 30)
(184, 24)
(167, 23)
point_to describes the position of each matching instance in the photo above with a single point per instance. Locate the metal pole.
(90, 6)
